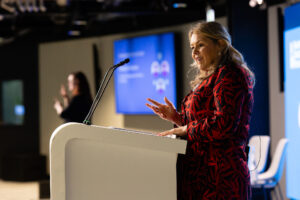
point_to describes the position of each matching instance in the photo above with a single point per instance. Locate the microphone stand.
(100, 92)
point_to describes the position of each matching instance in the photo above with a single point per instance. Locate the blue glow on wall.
(292, 98)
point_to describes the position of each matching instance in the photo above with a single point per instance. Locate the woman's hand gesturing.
(165, 111)
(63, 91)
(180, 131)
(57, 106)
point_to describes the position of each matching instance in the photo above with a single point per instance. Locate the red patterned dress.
(217, 114)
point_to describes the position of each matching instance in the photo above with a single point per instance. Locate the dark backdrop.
(19, 60)
(248, 27)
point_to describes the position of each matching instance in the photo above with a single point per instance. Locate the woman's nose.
(196, 53)
(196, 49)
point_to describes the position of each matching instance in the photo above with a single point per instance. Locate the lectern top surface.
(140, 132)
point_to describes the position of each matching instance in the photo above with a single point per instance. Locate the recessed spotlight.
(260, 2)
(62, 3)
(179, 5)
(74, 33)
(80, 22)
(210, 14)
(252, 3)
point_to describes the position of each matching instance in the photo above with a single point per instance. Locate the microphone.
(101, 90)
(121, 63)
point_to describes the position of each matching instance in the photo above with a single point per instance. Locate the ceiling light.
(8, 6)
(260, 2)
(210, 14)
(74, 33)
(80, 22)
(23, 5)
(179, 5)
(252, 3)
(62, 3)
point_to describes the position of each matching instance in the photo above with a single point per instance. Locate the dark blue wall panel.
(248, 27)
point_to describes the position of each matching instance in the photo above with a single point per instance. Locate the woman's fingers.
(157, 108)
(154, 109)
(56, 101)
(63, 91)
(169, 103)
(168, 132)
(151, 107)
(160, 109)
(154, 102)
(180, 131)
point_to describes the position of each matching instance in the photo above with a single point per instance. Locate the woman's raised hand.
(57, 106)
(165, 111)
(63, 91)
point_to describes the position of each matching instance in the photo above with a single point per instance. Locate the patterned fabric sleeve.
(229, 94)
(182, 119)
(183, 116)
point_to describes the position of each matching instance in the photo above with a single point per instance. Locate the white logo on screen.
(160, 69)
(160, 84)
(295, 54)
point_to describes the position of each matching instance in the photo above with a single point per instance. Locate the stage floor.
(10, 190)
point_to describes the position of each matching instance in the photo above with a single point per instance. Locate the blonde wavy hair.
(229, 55)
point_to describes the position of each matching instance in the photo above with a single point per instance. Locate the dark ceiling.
(59, 19)
(62, 18)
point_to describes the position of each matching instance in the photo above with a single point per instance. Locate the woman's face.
(205, 52)
(71, 82)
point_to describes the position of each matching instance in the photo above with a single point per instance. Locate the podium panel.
(92, 162)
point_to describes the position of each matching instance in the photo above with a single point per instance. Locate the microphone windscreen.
(126, 60)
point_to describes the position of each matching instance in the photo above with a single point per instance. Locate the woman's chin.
(202, 67)
(199, 65)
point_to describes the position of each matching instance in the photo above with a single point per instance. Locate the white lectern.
(101, 163)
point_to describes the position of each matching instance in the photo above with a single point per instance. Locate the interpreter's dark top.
(77, 109)
(217, 114)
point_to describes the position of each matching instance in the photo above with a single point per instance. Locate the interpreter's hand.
(165, 111)
(63, 91)
(58, 106)
(180, 131)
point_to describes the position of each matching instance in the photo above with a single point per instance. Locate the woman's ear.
(221, 44)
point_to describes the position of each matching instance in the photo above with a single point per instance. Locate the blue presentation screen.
(292, 98)
(149, 74)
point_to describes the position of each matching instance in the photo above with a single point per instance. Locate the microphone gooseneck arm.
(101, 90)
